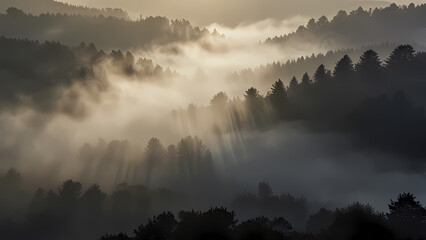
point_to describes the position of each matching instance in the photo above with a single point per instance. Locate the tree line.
(51, 6)
(297, 67)
(186, 161)
(71, 211)
(379, 104)
(47, 73)
(398, 23)
(405, 219)
(106, 31)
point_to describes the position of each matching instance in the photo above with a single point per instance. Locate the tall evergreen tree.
(369, 64)
(293, 84)
(277, 95)
(344, 68)
(306, 81)
(401, 57)
(253, 98)
(155, 154)
(369, 71)
(408, 216)
(321, 75)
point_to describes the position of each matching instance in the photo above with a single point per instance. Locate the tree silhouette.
(401, 57)
(219, 103)
(70, 191)
(320, 221)
(278, 96)
(261, 228)
(194, 160)
(160, 227)
(292, 87)
(155, 155)
(216, 223)
(358, 221)
(254, 105)
(369, 66)
(264, 190)
(101, 29)
(93, 199)
(321, 75)
(219, 100)
(407, 216)
(306, 82)
(344, 69)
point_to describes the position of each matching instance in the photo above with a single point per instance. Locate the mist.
(136, 110)
(176, 115)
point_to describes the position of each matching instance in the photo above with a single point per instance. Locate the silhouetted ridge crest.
(360, 27)
(106, 32)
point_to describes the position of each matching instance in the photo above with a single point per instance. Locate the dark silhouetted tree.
(160, 227)
(278, 96)
(344, 69)
(260, 228)
(155, 155)
(320, 221)
(306, 82)
(216, 223)
(321, 75)
(407, 216)
(400, 58)
(292, 87)
(369, 66)
(70, 191)
(357, 221)
(264, 190)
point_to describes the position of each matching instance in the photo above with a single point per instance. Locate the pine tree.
(321, 75)
(293, 84)
(407, 216)
(277, 96)
(369, 63)
(278, 93)
(402, 56)
(344, 68)
(306, 81)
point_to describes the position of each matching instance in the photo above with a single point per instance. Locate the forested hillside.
(37, 7)
(403, 24)
(106, 32)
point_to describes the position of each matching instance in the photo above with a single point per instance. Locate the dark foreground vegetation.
(71, 212)
(404, 220)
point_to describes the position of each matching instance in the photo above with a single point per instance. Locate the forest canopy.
(401, 24)
(106, 31)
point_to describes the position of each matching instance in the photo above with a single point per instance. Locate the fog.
(324, 167)
(174, 115)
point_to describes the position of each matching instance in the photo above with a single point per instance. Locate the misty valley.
(233, 120)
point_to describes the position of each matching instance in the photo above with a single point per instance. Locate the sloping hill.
(50, 6)
(399, 24)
